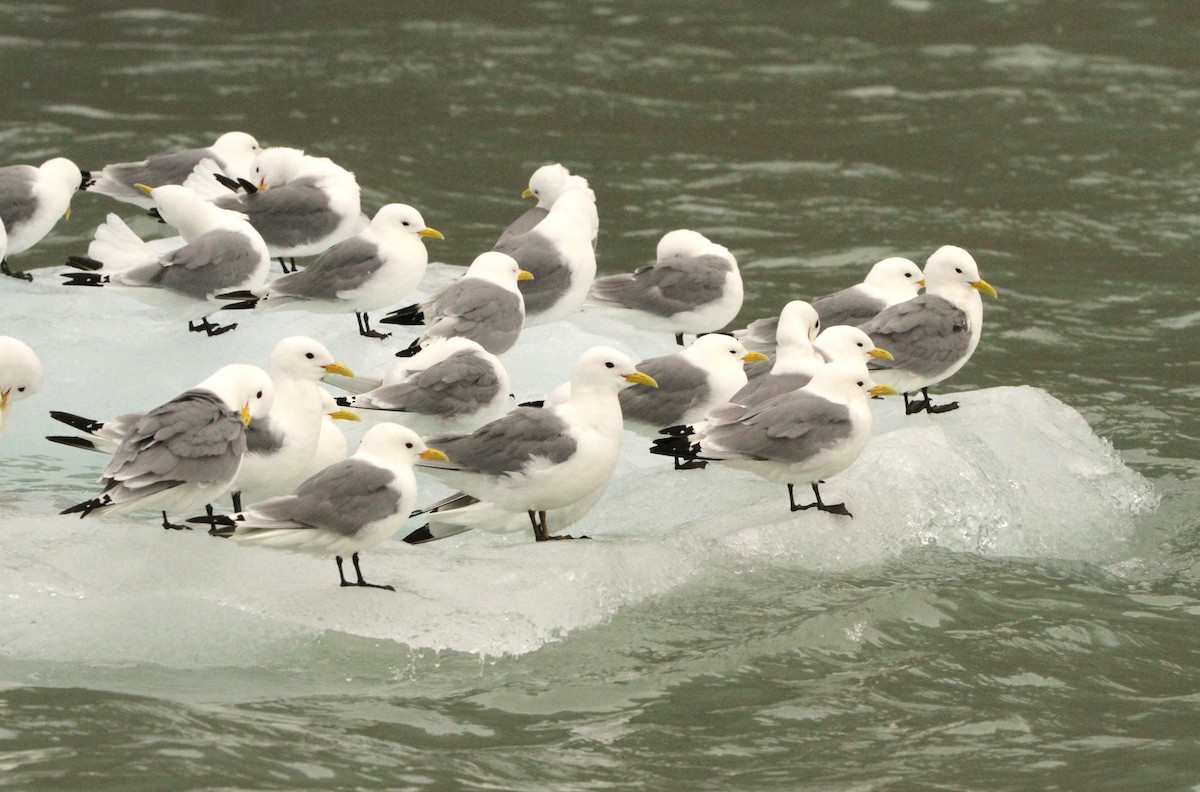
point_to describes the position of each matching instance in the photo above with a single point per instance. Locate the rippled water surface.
(1056, 142)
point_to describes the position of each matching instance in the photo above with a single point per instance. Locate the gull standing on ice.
(20, 375)
(934, 334)
(374, 269)
(185, 453)
(537, 460)
(452, 384)
(232, 152)
(348, 507)
(222, 253)
(559, 253)
(280, 445)
(483, 305)
(801, 437)
(694, 287)
(31, 201)
(546, 184)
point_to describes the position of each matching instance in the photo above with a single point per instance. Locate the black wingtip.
(420, 536)
(680, 430)
(83, 279)
(76, 421)
(343, 401)
(679, 447)
(156, 215)
(411, 350)
(245, 305)
(226, 182)
(536, 403)
(86, 180)
(84, 263)
(74, 442)
(249, 187)
(85, 508)
(241, 294)
(409, 315)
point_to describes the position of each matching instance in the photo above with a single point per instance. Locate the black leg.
(541, 532)
(6, 270)
(361, 581)
(237, 501)
(679, 339)
(283, 265)
(364, 327)
(170, 526)
(691, 464)
(341, 574)
(925, 404)
(537, 528)
(832, 508)
(210, 328)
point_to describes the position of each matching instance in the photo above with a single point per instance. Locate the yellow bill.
(751, 357)
(882, 354)
(145, 188)
(524, 275)
(984, 287)
(344, 415)
(338, 368)
(430, 233)
(883, 390)
(245, 413)
(641, 378)
(433, 453)
(527, 193)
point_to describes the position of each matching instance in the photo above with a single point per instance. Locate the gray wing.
(768, 386)
(262, 437)
(457, 386)
(508, 444)
(522, 225)
(681, 386)
(292, 214)
(925, 335)
(341, 498)
(215, 261)
(847, 307)
(667, 288)
(551, 276)
(759, 334)
(17, 203)
(194, 438)
(789, 428)
(345, 266)
(172, 167)
(481, 311)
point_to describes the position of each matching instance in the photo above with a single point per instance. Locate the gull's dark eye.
(21, 389)
(408, 445)
(309, 355)
(860, 344)
(817, 323)
(860, 383)
(958, 270)
(404, 223)
(258, 395)
(908, 274)
(610, 364)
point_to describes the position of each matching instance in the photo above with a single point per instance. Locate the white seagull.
(934, 334)
(537, 460)
(348, 507)
(373, 269)
(20, 376)
(31, 202)
(694, 286)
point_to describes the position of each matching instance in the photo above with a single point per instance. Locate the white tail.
(118, 248)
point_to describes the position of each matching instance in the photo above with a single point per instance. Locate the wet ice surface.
(1014, 472)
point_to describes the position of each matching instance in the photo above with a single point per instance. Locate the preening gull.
(185, 453)
(537, 460)
(300, 204)
(791, 335)
(483, 305)
(31, 202)
(232, 152)
(20, 376)
(348, 507)
(934, 334)
(331, 444)
(559, 253)
(694, 286)
(546, 185)
(373, 269)
(801, 437)
(452, 384)
(222, 253)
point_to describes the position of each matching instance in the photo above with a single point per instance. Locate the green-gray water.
(1056, 142)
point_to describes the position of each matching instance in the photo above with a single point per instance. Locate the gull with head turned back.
(31, 202)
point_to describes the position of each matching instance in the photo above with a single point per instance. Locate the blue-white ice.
(1014, 472)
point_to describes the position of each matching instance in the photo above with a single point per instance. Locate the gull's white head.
(845, 343)
(236, 146)
(300, 357)
(394, 445)
(276, 166)
(498, 268)
(605, 369)
(62, 172)
(846, 382)
(798, 325)
(401, 219)
(712, 351)
(898, 277)
(247, 390)
(20, 375)
(950, 269)
(547, 183)
(685, 243)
